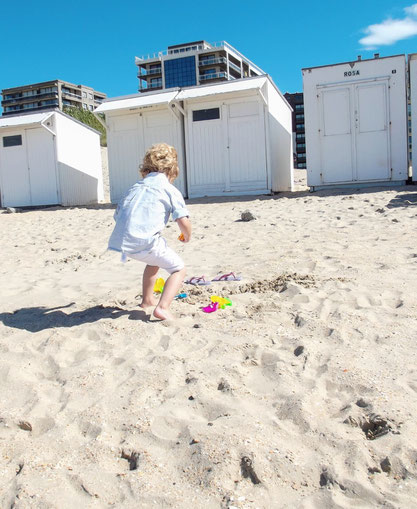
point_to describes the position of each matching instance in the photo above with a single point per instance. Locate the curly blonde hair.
(161, 158)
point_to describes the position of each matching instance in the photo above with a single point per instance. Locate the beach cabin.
(238, 138)
(356, 123)
(412, 75)
(133, 124)
(233, 138)
(49, 158)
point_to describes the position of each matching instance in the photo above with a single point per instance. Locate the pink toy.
(214, 306)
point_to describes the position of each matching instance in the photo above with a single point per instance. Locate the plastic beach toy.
(181, 237)
(223, 302)
(214, 306)
(159, 285)
(181, 296)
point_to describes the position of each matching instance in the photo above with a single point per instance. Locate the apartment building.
(49, 95)
(298, 127)
(191, 64)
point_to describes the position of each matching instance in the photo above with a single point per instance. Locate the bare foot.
(148, 304)
(163, 314)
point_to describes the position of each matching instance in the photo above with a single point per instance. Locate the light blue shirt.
(143, 213)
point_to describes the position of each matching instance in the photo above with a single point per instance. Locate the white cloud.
(412, 10)
(391, 31)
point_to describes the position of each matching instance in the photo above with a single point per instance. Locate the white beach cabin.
(49, 158)
(233, 138)
(133, 124)
(238, 138)
(356, 123)
(412, 74)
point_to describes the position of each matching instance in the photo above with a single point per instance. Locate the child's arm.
(185, 226)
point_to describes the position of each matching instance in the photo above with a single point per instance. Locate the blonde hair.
(161, 158)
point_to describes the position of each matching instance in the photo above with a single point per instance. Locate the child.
(140, 218)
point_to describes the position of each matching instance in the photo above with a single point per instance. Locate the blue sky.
(95, 42)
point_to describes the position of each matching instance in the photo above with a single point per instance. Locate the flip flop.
(198, 280)
(227, 277)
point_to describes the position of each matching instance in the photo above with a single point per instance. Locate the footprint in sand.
(89, 429)
(164, 342)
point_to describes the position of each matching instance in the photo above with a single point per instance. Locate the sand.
(302, 394)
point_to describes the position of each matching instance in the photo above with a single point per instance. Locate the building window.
(210, 114)
(300, 116)
(299, 107)
(84, 94)
(300, 136)
(13, 108)
(84, 106)
(154, 69)
(90, 95)
(302, 165)
(155, 83)
(29, 93)
(204, 58)
(12, 141)
(208, 72)
(300, 146)
(91, 107)
(180, 72)
(300, 126)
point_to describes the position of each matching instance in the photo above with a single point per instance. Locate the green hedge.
(87, 117)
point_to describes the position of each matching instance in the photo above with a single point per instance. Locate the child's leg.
(149, 278)
(172, 285)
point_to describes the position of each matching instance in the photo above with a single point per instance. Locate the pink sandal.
(227, 277)
(197, 280)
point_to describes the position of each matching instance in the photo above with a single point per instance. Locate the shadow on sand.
(403, 200)
(36, 319)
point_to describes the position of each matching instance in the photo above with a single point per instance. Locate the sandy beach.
(302, 394)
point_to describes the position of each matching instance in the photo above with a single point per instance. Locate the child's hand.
(185, 227)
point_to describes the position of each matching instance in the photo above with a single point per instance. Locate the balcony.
(70, 94)
(155, 84)
(29, 98)
(212, 61)
(32, 108)
(234, 67)
(144, 73)
(213, 76)
(147, 86)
